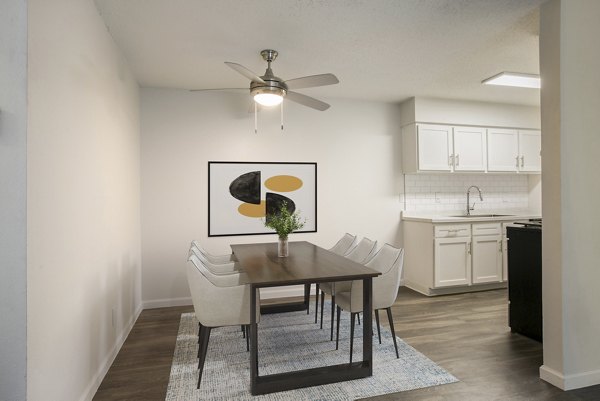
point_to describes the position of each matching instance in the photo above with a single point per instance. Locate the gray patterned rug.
(287, 342)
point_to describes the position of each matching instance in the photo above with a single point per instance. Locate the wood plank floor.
(467, 334)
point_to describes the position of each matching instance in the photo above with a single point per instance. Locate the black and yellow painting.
(241, 195)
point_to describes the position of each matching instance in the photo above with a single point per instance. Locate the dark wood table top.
(306, 263)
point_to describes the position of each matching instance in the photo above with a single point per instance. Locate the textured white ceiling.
(386, 50)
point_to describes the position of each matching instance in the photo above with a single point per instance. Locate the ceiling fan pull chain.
(255, 118)
(282, 116)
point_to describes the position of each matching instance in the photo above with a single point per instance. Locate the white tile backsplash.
(448, 192)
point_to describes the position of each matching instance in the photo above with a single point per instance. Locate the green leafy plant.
(284, 222)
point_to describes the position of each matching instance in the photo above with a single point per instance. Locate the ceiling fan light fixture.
(514, 79)
(268, 99)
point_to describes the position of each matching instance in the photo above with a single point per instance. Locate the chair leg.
(307, 288)
(377, 320)
(317, 302)
(247, 337)
(205, 338)
(332, 313)
(337, 332)
(391, 320)
(322, 305)
(200, 334)
(243, 331)
(358, 315)
(352, 318)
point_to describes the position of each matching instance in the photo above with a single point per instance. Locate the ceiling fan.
(269, 90)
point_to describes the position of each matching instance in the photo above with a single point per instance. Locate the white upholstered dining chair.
(219, 300)
(341, 247)
(361, 253)
(388, 261)
(217, 268)
(214, 259)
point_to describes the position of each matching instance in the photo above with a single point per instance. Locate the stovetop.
(531, 223)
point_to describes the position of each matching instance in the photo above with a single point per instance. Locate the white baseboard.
(569, 382)
(165, 303)
(92, 387)
(552, 376)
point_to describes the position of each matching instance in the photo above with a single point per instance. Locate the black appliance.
(525, 278)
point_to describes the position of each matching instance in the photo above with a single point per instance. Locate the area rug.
(287, 342)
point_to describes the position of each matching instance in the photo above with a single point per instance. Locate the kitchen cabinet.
(434, 147)
(514, 150)
(452, 255)
(530, 151)
(503, 149)
(446, 148)
(469, 148)
(462, 257)
(487, 253)
(428, 147)
(452, 261)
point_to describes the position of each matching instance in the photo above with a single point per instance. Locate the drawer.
(487, 229)
(452, 230)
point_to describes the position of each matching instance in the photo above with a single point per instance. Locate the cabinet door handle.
(522, 161)
(450, 160)
(457, 160)
(469, 247)
(517, 161)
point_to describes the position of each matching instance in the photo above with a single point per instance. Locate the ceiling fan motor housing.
(272, 84)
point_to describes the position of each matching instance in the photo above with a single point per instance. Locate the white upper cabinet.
(514, 150)
(445, 148)
(503, 149)
(469, 149)
(428, 147)
(434, 143)
(530, 151)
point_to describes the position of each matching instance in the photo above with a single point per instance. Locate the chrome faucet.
(469, 207)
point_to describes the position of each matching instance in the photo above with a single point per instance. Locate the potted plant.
(284, 223)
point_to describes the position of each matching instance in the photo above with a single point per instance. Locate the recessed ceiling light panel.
(514, 79)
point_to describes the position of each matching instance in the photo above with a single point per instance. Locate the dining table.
(306, 264)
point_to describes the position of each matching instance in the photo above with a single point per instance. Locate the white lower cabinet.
(452, 261)
(487, 259)
(445, 258)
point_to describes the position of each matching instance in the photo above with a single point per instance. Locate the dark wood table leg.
(368, 324)
(307, 298)
(253, 341)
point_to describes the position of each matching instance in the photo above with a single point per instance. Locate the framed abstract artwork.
(242, 194)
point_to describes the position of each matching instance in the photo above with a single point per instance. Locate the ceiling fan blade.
(245, 72)
(236, 90)
(306, 101)
(311, 81)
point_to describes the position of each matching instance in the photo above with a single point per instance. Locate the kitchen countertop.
(477, 216)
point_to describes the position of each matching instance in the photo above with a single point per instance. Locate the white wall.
(356, 145)
(13, 186)
(570, 61)
(83, 200)
(465, 112)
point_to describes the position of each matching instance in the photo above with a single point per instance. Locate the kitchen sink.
(484, 215)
